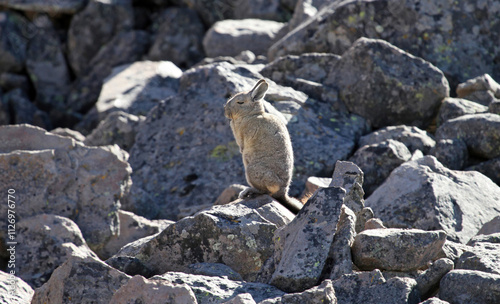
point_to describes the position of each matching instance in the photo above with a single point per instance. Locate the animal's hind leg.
(250, 193)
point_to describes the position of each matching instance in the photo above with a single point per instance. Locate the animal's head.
(247, 103)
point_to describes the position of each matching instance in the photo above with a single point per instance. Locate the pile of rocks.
(400, 181)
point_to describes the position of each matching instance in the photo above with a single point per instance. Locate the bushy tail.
(292, 204)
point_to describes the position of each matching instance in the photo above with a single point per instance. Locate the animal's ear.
(259, 90)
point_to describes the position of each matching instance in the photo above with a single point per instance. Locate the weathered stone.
(242, 298)
(141, 290)
(231, 37)
(396, 249)
(494, 107)
(373, 288)
(305, 9)
(374, 223)
(14, 290)
(313, 183)
(93, 27)
(323, 293)
(340, 251)
(23, 111)
(490, 168)
(11, 81)
(410, 92)
(428, 281)
(81, 280)
(484, 256)
(436, 198)
(16, 32)
(214, 270)
(229, 194)
(480, 132)
(488, 238)
(434, 300)
(179, 38)
(378, 160)
(413, 138)
(453, 251)
(45, 242)
(313, 228)
(130, 265)
(478, 84)
(456, 107)
(217, 289)
(56, 174)
(69, 133)
(45, 6)
(491, 227)
(470, 287)
(452, 153)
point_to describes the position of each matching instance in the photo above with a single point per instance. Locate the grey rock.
(269, 209)
(21, 294)
(452, 153)
(484, 256)
(413, 138)
(434, 300)
(491, 227)
(374, 223)
(69, 133)
(378, 160)
(470, 287)
(396, 249)
(313, 183)
(11, 81)
(141, 290)
(45, 6)
(433, 31)
(231, 37)
(428, 281)
(340, 251)
(117, 128)
(314, 228)
(229, 194)
(124, 47)
(14, 43)
(372, 287)
(484, 98)
(179, 38)
(409, 94)
(214, 270)
(93, 27)
(23, 111)
(323, 293)
(490, 168)
(494, 107)
(436, 198)
(305, 9)
(478, 84)
(45, 242)
(453, 251)
(130, 265)
(488, 238)
(480, 132)
(75, 281)
(456, 107)
(242, 298)
(219, 290)
(58, 175)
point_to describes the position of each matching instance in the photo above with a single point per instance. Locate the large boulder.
(423, 194)
(413, 138)
(436, 31)
(470, 287)
(456, 107)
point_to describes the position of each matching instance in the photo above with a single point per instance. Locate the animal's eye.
(240, 102)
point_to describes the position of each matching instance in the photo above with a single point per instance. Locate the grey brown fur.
(265, 146)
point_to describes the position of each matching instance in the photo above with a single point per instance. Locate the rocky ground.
(120, 173)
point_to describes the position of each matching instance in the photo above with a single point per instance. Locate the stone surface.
(45, 242)
(305, 9)
(470, 287)
(409, 94)
(436, 198)
(436, 31)
(490, 168)
(13, 44)
(231, 37)
(484, 256)
(340, 251)
(456, 107)
(491, 227)
(413, 138)
(141, 290)
(452, 153)
(428, 281)
(488, 238)
(229, 194)
(478, 84)
(378, 160)
(13, 290)
(396, 249)
(374, 223)
(314, 228)
(45, 6)
(219, 290)
(58, 175)
(23, 111)
(480, 132)
(75, 281)
(323, 293)
(179, 38)
(69, 133)
(242, 298)
(214, 270)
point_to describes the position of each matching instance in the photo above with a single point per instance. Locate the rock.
(372, 287)
(92, 28)
(494, 107)
(436, 198)
(413, 138)
(323, 293)
(69, 133)
(23, 111)
(134, 88)
(217, 289)
(491, 227)
(229, 194)
(452, 153)
(214, 270)
(432, 31)
(231, 234)
(313, 228)
(11, 81)
(45, 57)
(231, 37)
(14, 44)
(484, 256)
(480, 132)
(14, 290)
(130, 265)
(75, 281)
(428, 281)
(374, 223)
(396, 249)
(117, 128)
(44, 6)
(378, 160)
(456, 107)
(313, 183)
(242, 298)
(340, 251)
(409, 94)
(179, 38)
(58, 175)
(305, 9)
(490, 168)
(123, 48)
(478, 84)
(434, 300)
(488, 238)
(453, 251)
(45, 242)
(470, 286)
(141, 290)
(204, 157)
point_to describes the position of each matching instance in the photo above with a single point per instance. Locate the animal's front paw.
(249, 193)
